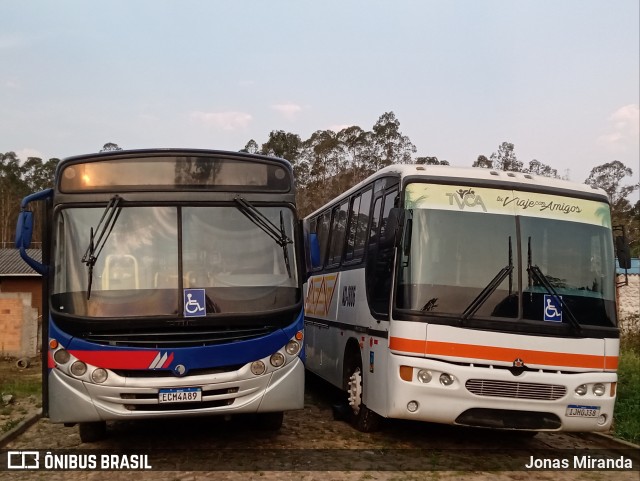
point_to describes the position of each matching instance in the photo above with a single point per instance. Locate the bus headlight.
(581, 390)
(277, 359)
(99, 375)
(258, 367)
(61, 356)
(424, 376)
(78, 368)
(292, 348)
(446, 379)
(598, 389)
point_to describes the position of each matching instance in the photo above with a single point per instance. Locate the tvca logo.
(466, 198)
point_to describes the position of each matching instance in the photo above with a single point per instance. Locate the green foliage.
(630, 333)
(110, 147)
(538, 168)
(328, 162)
(430, 161)
(505, 158)
(18, 179)
(609, 177)
(21, 387)
(627, 411)
(626, 417)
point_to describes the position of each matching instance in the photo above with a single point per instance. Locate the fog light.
(581, 390)
(446, 379)
(78, 368)
(61, 356)
(424, 376)
(258, 367)
(277, 359)
(412, 406)
(598, 389)
(99, 375)
(292, 348)
(602, 419)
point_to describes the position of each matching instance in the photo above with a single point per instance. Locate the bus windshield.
(481, 263)
(152, 253)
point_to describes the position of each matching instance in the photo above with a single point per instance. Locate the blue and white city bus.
(173, 287)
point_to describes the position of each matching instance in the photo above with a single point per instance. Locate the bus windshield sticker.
(195, 303)
(552, 308)
(506, 202)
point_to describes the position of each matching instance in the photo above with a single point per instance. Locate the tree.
(110, 147)
(358, 145)
(283, 144)
(38, 175)
(251, 147)
(12, 190)
(391, 146)
(483, 162)
(538, 168)
(505, 158)
(430, 161)
(609, 177)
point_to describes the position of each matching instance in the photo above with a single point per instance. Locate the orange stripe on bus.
(493, 353)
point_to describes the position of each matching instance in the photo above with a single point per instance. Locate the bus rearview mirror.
(623, 252)
(24, 229)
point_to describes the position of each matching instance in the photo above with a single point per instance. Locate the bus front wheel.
(91, 432)
(362, 418)
(270, 421)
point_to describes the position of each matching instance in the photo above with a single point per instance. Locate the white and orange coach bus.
(466, 296)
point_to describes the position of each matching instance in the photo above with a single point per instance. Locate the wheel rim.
(355, 390)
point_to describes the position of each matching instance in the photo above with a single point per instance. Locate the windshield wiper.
(258, 218)
(538, 276)
(489, 289)
(109, 217)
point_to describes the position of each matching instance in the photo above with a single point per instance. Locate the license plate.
(181, 395)
(574, 410)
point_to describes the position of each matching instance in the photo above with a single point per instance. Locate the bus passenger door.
(379, 264)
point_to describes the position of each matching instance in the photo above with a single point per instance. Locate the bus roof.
(480, 176)
(170, 151)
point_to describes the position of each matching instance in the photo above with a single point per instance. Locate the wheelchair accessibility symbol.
(552, 308)
(194, 303)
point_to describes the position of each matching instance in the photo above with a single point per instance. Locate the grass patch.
(626, 417)
(9, 425)
(21, 387)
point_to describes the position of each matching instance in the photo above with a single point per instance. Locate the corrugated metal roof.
(635, 267)
(11, 264)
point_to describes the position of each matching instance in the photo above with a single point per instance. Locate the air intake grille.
(517, 390)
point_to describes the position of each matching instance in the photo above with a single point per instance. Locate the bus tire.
(92, 432)
(270, 421)
(362, 418)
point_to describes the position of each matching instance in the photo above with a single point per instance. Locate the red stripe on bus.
(493, 353)
(117, 359)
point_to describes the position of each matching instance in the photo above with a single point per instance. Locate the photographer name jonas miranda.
(580, 462)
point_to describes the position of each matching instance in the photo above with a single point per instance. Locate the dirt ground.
(312, 445)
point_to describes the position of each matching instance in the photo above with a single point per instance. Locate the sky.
(559, 80)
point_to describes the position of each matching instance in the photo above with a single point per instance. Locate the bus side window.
(338, 227)
(324, 221)
(358, 223)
